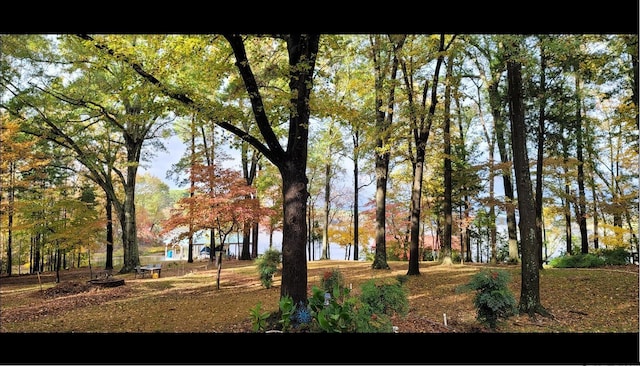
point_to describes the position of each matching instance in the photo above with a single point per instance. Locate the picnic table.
(150, 268)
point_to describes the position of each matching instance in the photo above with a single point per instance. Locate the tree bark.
(447, 207)
(383, 124)
(109, 208)
(356, 191)
(130, 233)
(540, 161)
(582, 205)
(490, 137)
(530, 286)
(500, 126)
(567, 192)
(324, 254)
(291, 163)
(11, 210)
(254, 240)
(249, 169)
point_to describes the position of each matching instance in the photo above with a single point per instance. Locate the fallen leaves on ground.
(186, 299)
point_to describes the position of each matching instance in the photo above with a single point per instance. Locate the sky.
(164, 160)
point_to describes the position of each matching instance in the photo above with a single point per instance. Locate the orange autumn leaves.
(220, 200)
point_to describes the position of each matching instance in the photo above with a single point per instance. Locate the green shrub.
(378, 302)
(385, 298)
(493, 300)
(456, 257)
(268, 263)
(599, 258)
(614, 257)
(429, 255)
(579, 260)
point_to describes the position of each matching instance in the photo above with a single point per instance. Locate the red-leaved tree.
(222, 202)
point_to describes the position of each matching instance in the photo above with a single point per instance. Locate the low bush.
(268, 263)
(600, 257)
(493, 300)
(378, 303)
(579, 260)
(614, 257)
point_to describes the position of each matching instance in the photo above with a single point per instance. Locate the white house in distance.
(200, 249)
(180, 251)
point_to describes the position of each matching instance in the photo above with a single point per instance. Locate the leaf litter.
(185, 299)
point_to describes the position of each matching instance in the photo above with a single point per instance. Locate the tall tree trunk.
(210, 157)
(416, 195)
(592, 183)
(540, 161)
(421, 129)
(291, 163)
(493, 233)
(192, 186)
(356, 191)
(382, 167)
(567, 192)
(490, 137)
(254, 240)
(10, 211)
(310, 236)
(325, 212)
(510, 206)
(245, 252)
(467, 236)
(294, 263)
(447, 207)
(582, 205)
(530, 282)
(466, 243)
(249, 169)
(129, 230)
(109, 260)
(383, 125)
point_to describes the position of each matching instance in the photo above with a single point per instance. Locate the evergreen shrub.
(268, 263)
(579, 260)
(493, 300)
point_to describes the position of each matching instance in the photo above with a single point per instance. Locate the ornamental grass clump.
(493, 300)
